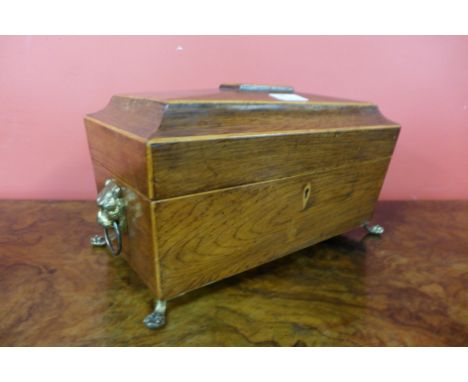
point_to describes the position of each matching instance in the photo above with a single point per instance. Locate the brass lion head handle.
(111, 215)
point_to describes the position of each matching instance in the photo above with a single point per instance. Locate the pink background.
(47, 84)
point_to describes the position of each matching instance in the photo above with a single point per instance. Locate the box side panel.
(191, 166)
(124, 156)
(209, 236)
(138, 245)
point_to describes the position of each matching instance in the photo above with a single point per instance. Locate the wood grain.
(165, 147)
(216, 95)
(407, 288)
(219, 183)
(207, 237)
(122, 155)
(136, 117)
(224, 118)
(187, 167)
(139, 247)
(144, 115)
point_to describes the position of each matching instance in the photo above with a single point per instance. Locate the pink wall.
(47, 84)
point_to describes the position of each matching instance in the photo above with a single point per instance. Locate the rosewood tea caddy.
(196, 187)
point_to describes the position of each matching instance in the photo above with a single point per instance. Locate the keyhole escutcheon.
(306, 195)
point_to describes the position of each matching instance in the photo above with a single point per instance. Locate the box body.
(221, 182)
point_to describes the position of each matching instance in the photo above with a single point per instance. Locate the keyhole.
(306, 195)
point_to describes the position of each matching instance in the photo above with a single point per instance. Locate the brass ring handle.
(111, 214)
(109, 244)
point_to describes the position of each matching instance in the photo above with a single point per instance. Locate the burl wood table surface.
(408, 287)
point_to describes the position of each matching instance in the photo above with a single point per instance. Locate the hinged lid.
(233, 108)
(187, 142)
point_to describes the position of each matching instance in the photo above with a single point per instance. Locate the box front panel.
(206, 237)
(191, 166)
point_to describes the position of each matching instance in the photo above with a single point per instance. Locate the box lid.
(194, 141)
(233, 109)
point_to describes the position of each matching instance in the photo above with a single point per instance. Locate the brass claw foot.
(373, 229)
(97, 241)
(157, 318)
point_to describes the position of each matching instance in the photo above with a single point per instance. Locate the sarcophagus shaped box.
(197, 187)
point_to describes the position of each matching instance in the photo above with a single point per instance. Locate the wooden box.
(213, 183)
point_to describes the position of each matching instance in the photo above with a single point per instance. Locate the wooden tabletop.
(409, 287)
